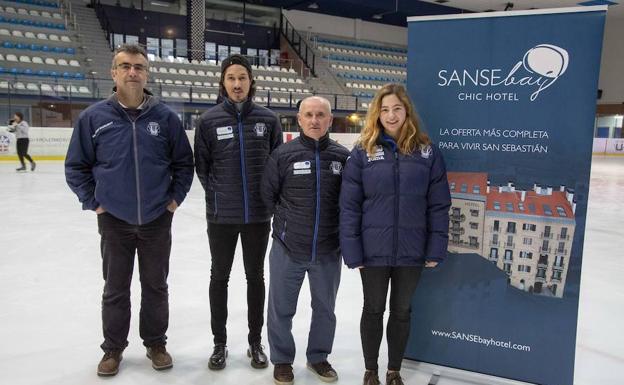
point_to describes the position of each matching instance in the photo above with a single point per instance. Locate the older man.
(130, 161)
(301, 185)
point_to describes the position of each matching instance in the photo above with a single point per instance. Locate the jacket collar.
(310, 143)
(230, 107)
(148, 102)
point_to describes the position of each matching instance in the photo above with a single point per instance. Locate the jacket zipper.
(318, 200)
(136, 172)
(136, 162)
(243, 170)
(395, 241)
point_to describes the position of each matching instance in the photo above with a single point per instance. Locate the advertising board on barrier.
(509, 98)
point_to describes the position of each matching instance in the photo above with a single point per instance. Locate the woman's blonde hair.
(410, 134)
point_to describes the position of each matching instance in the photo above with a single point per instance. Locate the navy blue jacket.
(133, 169)
(301, 185)
(394, 207)
(231, 148)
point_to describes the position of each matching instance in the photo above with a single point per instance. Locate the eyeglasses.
(125, 67)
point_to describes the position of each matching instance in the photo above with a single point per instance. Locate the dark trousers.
(152, 243)
(223, 239)
(404, 280)
(286, 279)
(22, 150)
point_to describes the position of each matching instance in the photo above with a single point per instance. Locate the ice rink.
(51, 286)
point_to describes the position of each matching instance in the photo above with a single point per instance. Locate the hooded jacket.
(133, 169)
(231, 149)
(394, 207)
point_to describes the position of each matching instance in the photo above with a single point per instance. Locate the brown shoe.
(160, 358)
(323, 371)
(394, 378)
(109, 364)
(283, 374)
(371, 378)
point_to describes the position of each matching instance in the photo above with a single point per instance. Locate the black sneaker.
(283, 374)
(217, 359)
(33, 165)
(323, 371)
(258, 358)
(23, 168)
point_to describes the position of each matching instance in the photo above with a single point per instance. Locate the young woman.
(394, 207)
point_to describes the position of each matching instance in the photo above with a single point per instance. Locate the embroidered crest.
(378, 155)
(153, 128)
(426, 151)
(336, 167)
(260, 129)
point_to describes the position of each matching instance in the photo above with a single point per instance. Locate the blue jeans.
(375, 280)
(285, 283)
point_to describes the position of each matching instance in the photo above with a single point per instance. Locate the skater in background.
(20, 127)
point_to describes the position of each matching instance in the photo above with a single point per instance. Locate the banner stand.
(436, 372)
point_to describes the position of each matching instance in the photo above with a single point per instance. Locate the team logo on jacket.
(336, 167)
(260, 129)
(300, 168)
(426, 151)
(377, 155)
(225, 133)
(153, 128)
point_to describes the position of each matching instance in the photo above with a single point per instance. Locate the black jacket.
(301, 184)
(231, 149)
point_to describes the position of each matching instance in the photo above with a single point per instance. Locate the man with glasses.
(130, 161)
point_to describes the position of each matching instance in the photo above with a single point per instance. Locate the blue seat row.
(43, 73)
(32, 23)
(41, 3)
(366, 61)
(37, 47)
(361, 45)
(373, 78)
(364, 95)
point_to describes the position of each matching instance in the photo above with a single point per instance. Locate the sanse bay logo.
(544, 64)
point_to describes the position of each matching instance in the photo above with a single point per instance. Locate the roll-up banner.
(509, 98)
